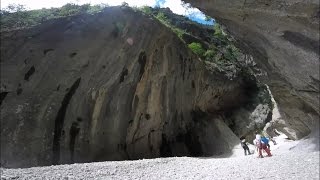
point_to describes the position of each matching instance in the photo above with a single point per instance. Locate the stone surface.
(283, 37)
(111, 86)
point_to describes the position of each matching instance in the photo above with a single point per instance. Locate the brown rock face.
(283, 37)
(111, 86)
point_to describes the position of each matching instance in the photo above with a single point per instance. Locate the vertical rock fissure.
(60, 120)
(142, 61)
(29, 73)
(2, 96)
(74, 131)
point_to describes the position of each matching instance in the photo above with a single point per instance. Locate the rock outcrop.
(283, 37)
(111, 86)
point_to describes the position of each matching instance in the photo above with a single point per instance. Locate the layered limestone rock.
(111, 86)
(283, 37)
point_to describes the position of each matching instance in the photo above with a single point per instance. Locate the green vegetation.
(16, 16)
(125, 4)
(197, 49)
(210, 55)
(218, 32)
(165, 20)
(146, 10)
(179, 32)
(231, 53)
(161, 17)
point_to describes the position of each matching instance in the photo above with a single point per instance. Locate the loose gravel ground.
(291, 165)
(287, 162)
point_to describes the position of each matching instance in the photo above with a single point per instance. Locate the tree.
(95, 8)
(70, 9)
(146, 10)
(231, 53)
(162, 17)
(15, 16)
(219, 34)
(15, 8)
(125, 4)
(210, 54)
(197, 49)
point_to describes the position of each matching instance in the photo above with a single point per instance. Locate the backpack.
(265, 140)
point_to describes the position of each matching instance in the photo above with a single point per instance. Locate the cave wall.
(111, 86)
(283, 37)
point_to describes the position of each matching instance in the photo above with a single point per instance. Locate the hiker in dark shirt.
(245, 146)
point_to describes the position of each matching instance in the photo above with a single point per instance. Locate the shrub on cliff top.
(210, 54)
(197, 49)
(146, 10)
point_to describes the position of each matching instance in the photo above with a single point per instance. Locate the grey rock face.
(111, 86)
(283, 37)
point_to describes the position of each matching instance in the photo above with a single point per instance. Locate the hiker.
(256, 142)
(265, 141)
(245, 146)
(258, 136)
(260, 145)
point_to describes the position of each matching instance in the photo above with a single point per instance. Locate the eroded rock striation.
(111, 86)
(283, 37)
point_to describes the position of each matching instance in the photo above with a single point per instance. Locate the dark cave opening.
(165, 150)
(185, 143)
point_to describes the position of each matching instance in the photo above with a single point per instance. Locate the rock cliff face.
(283, 37)
(111, 86)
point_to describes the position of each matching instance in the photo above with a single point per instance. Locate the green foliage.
(96, 8)
(178, 31)
(125, 4)
(73, 9)
(15, 16)
(161, 17)
(15, 8)
(232, 53)
(197, 49)
(164, 19)
(146, 10)
(218, 33)
(217, 30)
(158, 13)
(210, 55)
